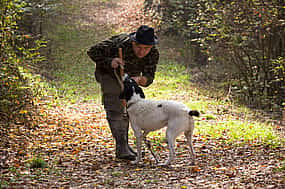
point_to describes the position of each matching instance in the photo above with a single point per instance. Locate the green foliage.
(15, 91)
(245, 38)
(279, 74)
(38, 163)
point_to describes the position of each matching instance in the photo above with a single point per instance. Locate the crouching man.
(140, 58)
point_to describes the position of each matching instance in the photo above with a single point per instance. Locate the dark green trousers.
(117, 119)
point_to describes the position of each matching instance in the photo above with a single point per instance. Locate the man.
(140, 58)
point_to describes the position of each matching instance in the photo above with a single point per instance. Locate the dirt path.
(121, 16)
(76, 142)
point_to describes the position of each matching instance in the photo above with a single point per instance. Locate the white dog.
(149, 115)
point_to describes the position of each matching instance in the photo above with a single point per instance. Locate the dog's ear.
(139, 91)
(127, 93)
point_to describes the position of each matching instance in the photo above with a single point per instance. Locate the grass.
(71, 67)
(240, 132)
(37, 163)
(168, 80)
(75, 83)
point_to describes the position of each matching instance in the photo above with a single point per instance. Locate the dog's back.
(152, 115)
(148, 115)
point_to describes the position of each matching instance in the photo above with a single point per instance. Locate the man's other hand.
(116, 62)
(140, 80)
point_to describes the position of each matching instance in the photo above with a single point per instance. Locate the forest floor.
(73, 144)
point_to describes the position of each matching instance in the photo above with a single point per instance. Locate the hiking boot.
(119, 130)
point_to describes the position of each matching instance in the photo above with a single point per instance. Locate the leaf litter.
(78, 148)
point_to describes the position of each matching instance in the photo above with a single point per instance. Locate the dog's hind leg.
(171, 135)
(188, 134)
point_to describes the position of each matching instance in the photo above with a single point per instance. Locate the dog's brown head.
(130, 89)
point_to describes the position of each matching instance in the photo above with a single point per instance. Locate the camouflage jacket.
(104, 52)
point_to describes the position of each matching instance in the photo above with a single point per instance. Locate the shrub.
(16, 52)
(245, 38)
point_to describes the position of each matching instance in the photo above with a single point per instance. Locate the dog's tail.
(194, 113)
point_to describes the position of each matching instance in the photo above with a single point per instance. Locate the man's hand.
(140, 80)
(116, 62)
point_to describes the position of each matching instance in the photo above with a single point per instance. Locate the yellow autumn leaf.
(23, 112)
(195, 169)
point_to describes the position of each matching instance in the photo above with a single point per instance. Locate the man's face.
(141, 50)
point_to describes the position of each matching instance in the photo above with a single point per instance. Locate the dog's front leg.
(139, 138)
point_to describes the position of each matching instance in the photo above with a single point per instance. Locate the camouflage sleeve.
(150, 66)
(103, 53)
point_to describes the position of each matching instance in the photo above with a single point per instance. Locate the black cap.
(144, 35)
